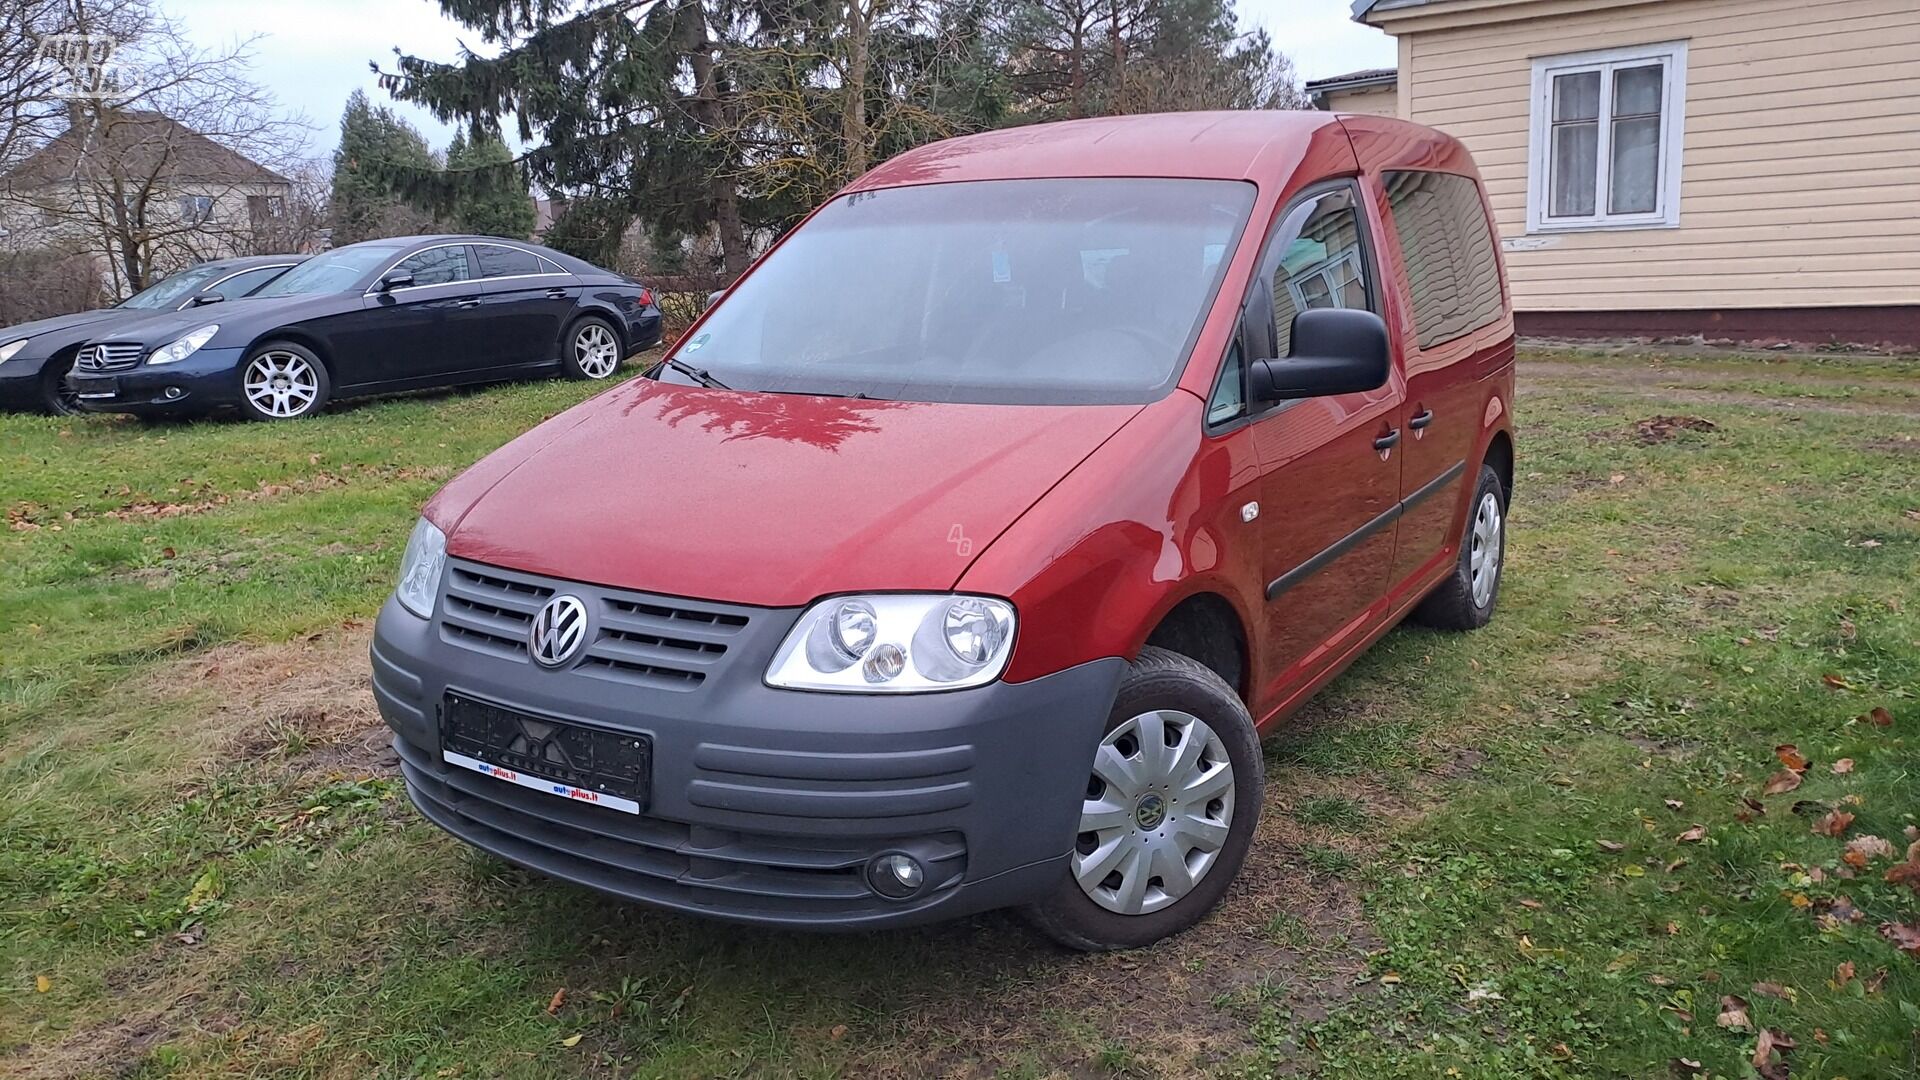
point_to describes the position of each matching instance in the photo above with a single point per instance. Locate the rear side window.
(240, 285)
(497, 261)
(1453, 273)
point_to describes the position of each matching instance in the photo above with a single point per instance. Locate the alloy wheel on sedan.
(596, 352)
(281, 384)
(1157, 812)
(1483, 561)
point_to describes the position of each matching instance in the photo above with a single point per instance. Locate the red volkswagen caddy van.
(960, 555)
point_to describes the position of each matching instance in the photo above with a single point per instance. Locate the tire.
(1456, 604)
(592, 350)
(280, 380)
(56, 398)
(1159, 686)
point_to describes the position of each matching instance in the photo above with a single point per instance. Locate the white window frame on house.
(1335, 274)
(1672, 57)
(191, 210)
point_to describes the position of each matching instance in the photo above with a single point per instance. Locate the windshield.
(336, 271)
(1007, 291)
(171, 292)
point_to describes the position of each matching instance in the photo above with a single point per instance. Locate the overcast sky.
(312, 55)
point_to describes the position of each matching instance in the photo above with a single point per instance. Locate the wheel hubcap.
(1483, 557)
(1157, 812)
(281, 384)
(595, 350)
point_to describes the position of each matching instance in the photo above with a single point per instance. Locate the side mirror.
(714, 296)
(1335, 351)
(399, 279)
(206, 298)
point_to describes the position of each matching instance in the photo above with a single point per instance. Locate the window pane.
(1636, 91)
(438, 266)
(1229, 397)
(1576, 97)
(497, 261)
(1446, 242)
(1576, 148)
(1636, 166)
(1315, 265)
(240, 285)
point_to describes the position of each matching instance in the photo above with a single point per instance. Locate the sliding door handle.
(1388, 441)
(1418, 422)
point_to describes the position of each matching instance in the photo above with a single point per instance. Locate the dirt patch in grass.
(1656, 429)
(1538, 379)
(195, 498)
(1896, 444)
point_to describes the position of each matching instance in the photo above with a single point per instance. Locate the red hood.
(771, 499)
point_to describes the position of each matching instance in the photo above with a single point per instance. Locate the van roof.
(1197, 145)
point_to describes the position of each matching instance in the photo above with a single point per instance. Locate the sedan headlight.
(11, 347)
(895, 644)
(185, 347)
(420, 568)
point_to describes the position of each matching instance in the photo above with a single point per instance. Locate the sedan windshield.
(1008, 291)
(336, 271)
(171, 292)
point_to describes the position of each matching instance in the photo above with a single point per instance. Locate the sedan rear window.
(1008, 291)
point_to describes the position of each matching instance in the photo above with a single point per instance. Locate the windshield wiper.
(698, 375)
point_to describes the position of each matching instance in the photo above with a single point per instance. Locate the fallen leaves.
(1835, 682)
(1834, 824)
(1693, 835)
(42, 984)
(1611, 845)
(1776, 991)
(1903, 936)
(1842, 975)
(1880, 717)
(1862, 850)
(559, 999)
(1791, 757)
(1768, 1054)
(1907, 873)
(1843, 766)
(1782, 782)
(1733, 1014)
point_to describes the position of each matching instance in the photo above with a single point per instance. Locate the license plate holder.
(96, 387)
(611, 769)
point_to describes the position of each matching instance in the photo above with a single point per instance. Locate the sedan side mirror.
(399, 279)
(206, 298)
(1335, 351)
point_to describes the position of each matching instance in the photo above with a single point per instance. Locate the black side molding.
(1358, 536)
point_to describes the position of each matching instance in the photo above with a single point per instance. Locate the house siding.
(1800, 165)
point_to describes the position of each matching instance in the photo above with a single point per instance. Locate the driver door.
(420, 333)
(1330, 467)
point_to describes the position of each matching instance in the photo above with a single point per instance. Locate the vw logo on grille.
(557, 631)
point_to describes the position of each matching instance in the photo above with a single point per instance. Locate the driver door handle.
(1387, 441)
(556, 294)
(467, 302)
(1418, 422)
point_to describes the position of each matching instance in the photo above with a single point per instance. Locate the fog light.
(896, 875)
(172, 392)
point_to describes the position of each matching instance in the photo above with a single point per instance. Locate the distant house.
(1375, 92)
(1735, 168)
(133, 179)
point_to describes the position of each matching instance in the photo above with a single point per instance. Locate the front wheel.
(1172, 801)
(592, 350)
(57, 395)
(283, 381)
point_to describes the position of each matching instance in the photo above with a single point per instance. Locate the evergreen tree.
(490, 198)
(376, 149)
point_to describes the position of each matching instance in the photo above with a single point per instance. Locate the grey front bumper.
(766, 805)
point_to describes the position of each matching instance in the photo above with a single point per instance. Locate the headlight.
(185, 347)
(895, 644)
(11, 347)
(420, 569)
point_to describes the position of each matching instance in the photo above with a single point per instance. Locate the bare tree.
(172, 163)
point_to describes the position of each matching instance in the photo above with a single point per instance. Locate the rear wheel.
(592, 350)
(1465, 600)
(283, 381)
(1168, 814)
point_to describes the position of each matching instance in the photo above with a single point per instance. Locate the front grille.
(113, 356)
(656, 859)
(664, 643)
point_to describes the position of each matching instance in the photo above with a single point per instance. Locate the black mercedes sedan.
(35, 357)
(384, 315)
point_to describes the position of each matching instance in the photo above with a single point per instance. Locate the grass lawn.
(1545, 849)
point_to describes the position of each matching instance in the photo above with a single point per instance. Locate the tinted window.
(174, 290)
(1016, 291)
(240, 285)
(496, 261)
(1321, 264)
(437, 266)
(1453, 272)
